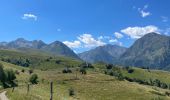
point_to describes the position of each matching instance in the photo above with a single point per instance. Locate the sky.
(83, 24)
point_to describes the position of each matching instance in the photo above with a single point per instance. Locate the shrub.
(9, 78)
(34, 79)
(58, 61)
(109, 66)
(164, 85)
(86, 65)
(111, 73)
(10, 75)
(2, 73)
(157, 83)
(90, 65)
(30, 71)
(71, 92)
(167, 93)
(23, 70)
(130, 70)
(83, 71)
(67, 70)
(120, 76)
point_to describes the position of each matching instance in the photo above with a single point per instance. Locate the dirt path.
(3, 96)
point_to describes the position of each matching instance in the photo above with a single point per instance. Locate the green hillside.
(39, 60)
(96, 84)
(92, 86)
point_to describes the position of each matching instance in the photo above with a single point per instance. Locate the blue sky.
(83, 24)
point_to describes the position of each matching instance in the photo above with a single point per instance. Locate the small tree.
(2, 74)
(34, 79)
(71, 92)
(10, 78)
(83, 71)
(10, 74)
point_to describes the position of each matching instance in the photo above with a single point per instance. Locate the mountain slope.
(152, 50)
(107, 53)
(37, 60)
(56, 48)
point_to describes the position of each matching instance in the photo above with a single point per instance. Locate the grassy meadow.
(95, 85)
(92, 86)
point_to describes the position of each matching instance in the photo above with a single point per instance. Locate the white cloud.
(164, 18)
(29, 16)
(74, 44)
(113, 40)
(118, 35)
(89, 41)
(138, 32)
(143, 11)
(144, 14)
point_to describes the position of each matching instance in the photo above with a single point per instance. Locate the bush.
(58, 61)
(164, 85)
(120, 76)
(9, 78)
(167, 93)
(86, 65)
(130, 70)
(23, 70)
(30, 71)
(83, 71)
(157, 83)
(67, 70)
(34, 79)
(10, 75)
(47, 59)
(109, 66)
(2, 73)
(71, 92)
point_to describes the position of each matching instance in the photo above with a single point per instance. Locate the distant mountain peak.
(55, 48)
(152, 34)
(107, 53)
(152, 50)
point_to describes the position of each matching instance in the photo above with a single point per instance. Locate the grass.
(144, 74)
(40, 60)
(93, 86)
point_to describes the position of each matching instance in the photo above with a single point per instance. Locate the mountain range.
(152, 50)
(56, 48)
(107, 53)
